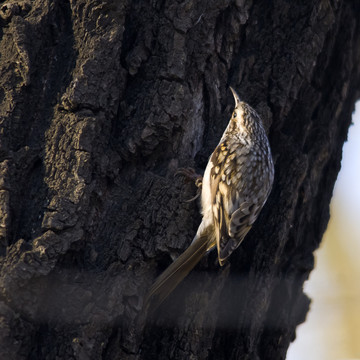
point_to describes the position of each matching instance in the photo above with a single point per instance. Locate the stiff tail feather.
(176, 272)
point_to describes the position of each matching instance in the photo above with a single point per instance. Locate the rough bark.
(101, 102)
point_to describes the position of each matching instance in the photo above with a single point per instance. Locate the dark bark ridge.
(100, 103)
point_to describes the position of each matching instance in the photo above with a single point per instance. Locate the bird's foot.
(190, 175)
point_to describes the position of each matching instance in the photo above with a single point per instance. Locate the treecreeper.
(236, 184)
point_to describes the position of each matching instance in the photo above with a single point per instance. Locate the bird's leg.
(190, 175)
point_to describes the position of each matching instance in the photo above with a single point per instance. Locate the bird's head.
(243, 114)
(238, 110)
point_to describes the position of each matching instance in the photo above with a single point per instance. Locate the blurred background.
(332, 328)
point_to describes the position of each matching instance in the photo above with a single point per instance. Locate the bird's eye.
(234, 113)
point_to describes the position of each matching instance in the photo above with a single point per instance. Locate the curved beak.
(236, 96)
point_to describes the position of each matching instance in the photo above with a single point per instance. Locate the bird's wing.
(219, 191)
(234, 212)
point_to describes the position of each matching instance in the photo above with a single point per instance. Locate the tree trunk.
(101, 102)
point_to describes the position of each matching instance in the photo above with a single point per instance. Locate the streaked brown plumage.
(236, 184)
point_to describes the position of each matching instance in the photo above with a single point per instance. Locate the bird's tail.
(177, 271)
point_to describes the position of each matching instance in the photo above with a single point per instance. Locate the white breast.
(206, 204)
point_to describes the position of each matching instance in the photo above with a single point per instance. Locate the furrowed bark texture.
(101, 102)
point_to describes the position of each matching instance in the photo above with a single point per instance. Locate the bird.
(236, 184)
